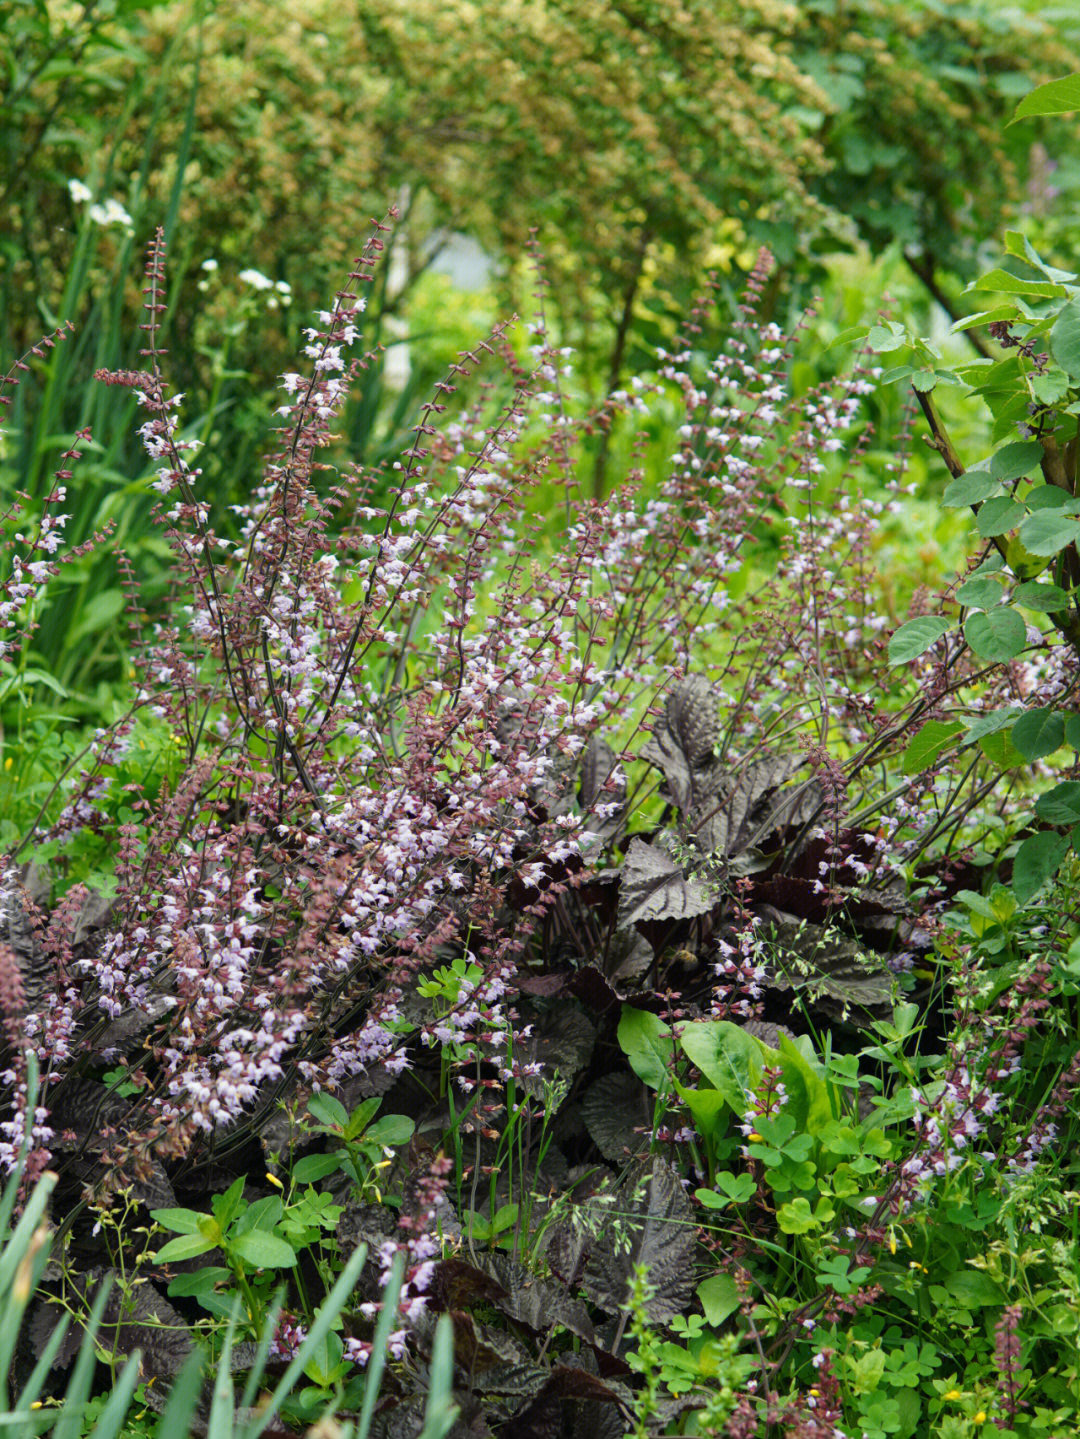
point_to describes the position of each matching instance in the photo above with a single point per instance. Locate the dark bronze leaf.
(650, 1223)
(655, 888)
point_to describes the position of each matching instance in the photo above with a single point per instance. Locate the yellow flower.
(952, 1394)
(275, 1180)
(980, 1418)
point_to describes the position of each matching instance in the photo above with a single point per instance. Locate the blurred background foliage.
(647, 142)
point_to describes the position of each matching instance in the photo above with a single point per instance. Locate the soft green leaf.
(916, 637)
(186, 1247)
(729, 1058)
(932, 740)
(1039, 732)
(1000, 751)
(646, 1041)
(1056, 97)
(1047, 532)
(997, 636)
(991, 723)
(998, 516)
(1044, 598)
(180, 1221)
(328, 1110)
(1012, 462)
(719, 1297)
(393, 1130)
(981, 592)
(1002, 283)
(262, 1250)
(1037, 860)
(314, 1167)
(970, 488)
(1060, 805)
(1072, 730)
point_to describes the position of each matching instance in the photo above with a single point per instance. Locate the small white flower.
(209, 265)
(79, 192)
(256, 279)
(111, 213)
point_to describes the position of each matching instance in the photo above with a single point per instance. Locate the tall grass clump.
(411, 781)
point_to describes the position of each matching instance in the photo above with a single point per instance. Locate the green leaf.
(1060, 805)
(1002, 283)
(991, 723)
(997, 636)
(263, 1214)
(1000, 751)
(1047, 532)
(180, 1221)
(932, 740)
(646, 1042)
(1039, 732)
(201, 1282)
(1011, 462)
(739, 1188)
(1056, 97)
(186, 1247)
(1072, 730)
(970, 488)
(393, 1130)
(719, 1297)
(998, 516)
(1037, 860)
(796, 1217)
(916, 637)
(1044, 598)
(981, 592)
(314, 1167)
(729, 1058)
(1050, 497)
(328, 1110)
(972, 1289)
(261, 1250)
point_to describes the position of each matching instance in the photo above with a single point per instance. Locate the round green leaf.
(970, 488)
(1047, 532)
(981, 592)
(997, 636)
(262, 1250)
(1039, 733)
(1013, 461)
(914, 638)
(1038, 860)
(1060, 805)
(998, 516)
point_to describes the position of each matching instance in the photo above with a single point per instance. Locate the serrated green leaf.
(1050, 387)
(1000, 751)
(1038, 733)
(998, 516)
(1060, 805)
(970, 488)
(1013, 461)
(1037, 861)
(924, 381)
(997, 636)
(1043, 598)
(980, 592)
(992, 723)
(914, 638)
(1072, 730)
(1047, 532)
(932, 740)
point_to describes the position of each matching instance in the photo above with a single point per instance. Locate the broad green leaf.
(998, 636)
(1002, 283)
(981, 592)
(263, 1251)
(970, 488)
(314, 1167)
(1056, 97)
(201, 1282)
(998, 516)
(1039, 732)
(1060, 805)
(186, 1247)
(991, 723)
(263, 1214)
(719, 1297)
(932, 740)
(916, 637)
(180, 1221)
(1047, 532)
(1010, 462)
(1051, 497)
(328, 1110)
(646, 1041)
(1001, 752)
(392, 1130)
(1037, 860)
(1044, 598)
(729, 1058)
(1072, 730)
(924, 381)
(1051, 386)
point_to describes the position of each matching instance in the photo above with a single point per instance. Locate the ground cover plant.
(562, 928)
